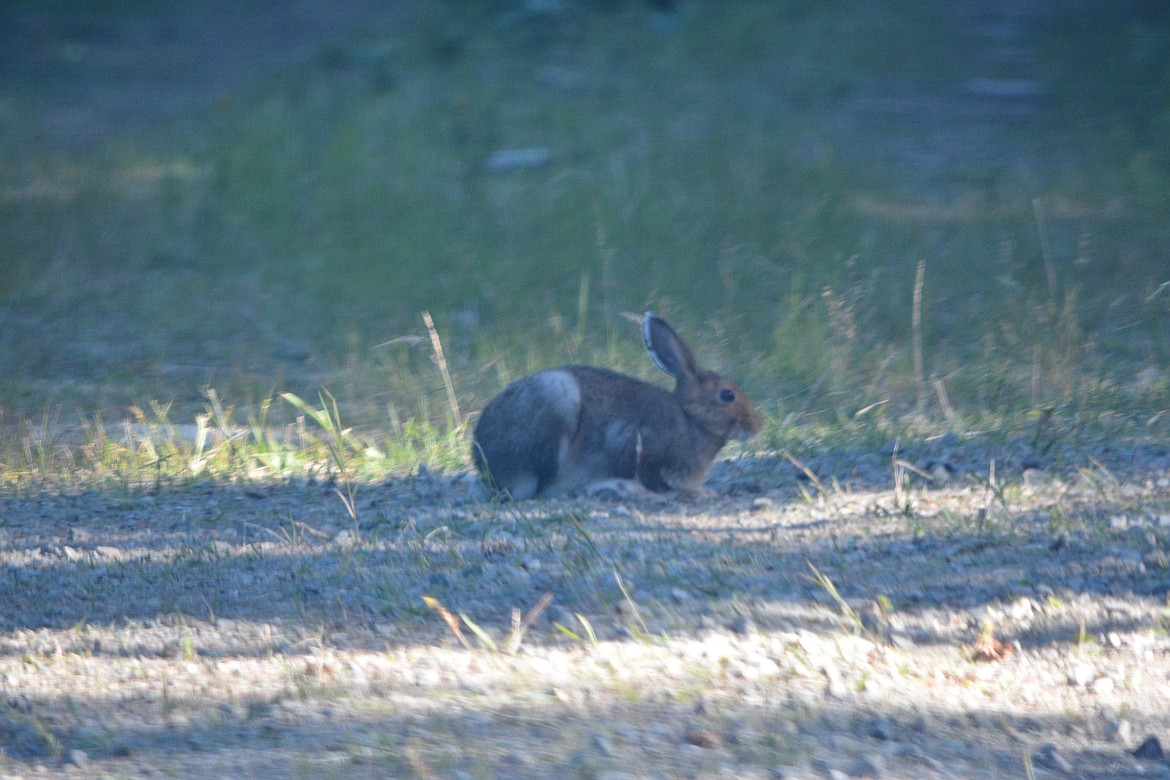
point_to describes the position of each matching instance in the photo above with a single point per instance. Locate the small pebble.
(79, 758)
(704, 738)
(903, 641)
(1021, 609)
(1150, 749)
(1081, 675)
(882, 728)
(1118, 730)
(1103, 686)
(834, 684)
(603, 745)
(868, 766)
(1048, 756)
(743, 626)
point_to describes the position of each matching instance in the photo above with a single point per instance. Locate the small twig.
(907, 466)
(451, 621)
(812, 477)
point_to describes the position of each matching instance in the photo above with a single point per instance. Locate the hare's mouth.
(742, 431)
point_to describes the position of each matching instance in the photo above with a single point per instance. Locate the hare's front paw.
(620, 490)
(697, 494)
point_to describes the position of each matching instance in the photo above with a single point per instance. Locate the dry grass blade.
(637, 613)
(519, 626)
(484, 637)
(812, 477)
(338, 440)
(916, 334)
(827, 585)
(441, 362)
(451, 621)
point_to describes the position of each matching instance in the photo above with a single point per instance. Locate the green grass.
(730, 171)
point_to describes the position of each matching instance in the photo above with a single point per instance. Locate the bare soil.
(1015, 626)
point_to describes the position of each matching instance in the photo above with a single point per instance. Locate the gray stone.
(1048, 756)
(1150, 749)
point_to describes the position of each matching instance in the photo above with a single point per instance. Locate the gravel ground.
(1017, 629)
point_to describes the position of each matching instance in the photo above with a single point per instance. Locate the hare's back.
(602, 389)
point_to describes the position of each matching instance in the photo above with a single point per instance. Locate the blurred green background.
(257, 197)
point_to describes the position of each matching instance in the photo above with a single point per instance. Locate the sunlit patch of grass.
(151, 452)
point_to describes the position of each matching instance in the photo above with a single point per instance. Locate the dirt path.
(225, 630)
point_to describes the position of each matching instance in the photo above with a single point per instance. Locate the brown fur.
(558, 431)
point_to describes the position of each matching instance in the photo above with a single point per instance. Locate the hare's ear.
(667, 350)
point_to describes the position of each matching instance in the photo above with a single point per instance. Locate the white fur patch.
(621, 489)
(562, 392)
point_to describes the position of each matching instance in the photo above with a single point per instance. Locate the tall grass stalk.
(1046, 256)
(582, 310)
(916, 335)
(441, 361)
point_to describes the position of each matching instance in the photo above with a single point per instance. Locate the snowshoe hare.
(577, 428)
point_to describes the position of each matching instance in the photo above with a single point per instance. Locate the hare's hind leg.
(523, 434)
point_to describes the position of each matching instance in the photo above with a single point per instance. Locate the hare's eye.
(726, 396)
